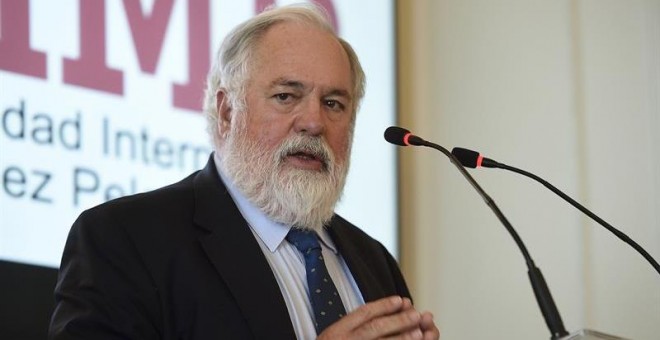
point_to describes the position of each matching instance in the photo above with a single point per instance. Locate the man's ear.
(224, 112)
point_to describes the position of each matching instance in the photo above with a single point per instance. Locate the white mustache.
(315, 146)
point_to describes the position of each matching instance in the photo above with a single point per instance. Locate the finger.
(427, 320)
(415, 334)
(428, 326)
(397, 323)
(369, 311)
(407, 304)
(432, 334)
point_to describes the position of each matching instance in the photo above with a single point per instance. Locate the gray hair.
(231, 69)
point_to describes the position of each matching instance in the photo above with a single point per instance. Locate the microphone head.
(469, 158)
(396, 135)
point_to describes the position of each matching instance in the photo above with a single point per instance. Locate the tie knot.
(304, 240)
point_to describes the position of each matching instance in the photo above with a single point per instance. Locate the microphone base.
(587, 334)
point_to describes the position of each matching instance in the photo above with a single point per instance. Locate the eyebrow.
(340, 93)
(288, 83)
(298, 85)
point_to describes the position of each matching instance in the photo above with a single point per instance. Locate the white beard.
(298, 197)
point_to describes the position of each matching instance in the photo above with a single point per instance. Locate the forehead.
(300, 51)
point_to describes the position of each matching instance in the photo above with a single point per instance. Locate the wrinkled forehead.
(301, 49)
(304, 56)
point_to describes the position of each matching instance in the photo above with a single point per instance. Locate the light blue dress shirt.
(288, 264)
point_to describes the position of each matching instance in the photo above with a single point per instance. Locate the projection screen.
(101, 99)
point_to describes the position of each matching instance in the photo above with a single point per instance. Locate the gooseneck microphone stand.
(471, 158)
(543, 296)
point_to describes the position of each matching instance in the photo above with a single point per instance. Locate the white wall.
(569, 90)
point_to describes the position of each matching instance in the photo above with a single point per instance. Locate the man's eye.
(333, 104)
(283, 96)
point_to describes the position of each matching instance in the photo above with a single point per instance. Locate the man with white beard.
(248, 247)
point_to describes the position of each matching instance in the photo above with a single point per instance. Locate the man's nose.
(310, 120)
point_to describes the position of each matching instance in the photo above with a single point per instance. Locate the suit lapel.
(236, 255)
(368, 284)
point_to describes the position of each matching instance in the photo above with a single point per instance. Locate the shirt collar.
(271, 233)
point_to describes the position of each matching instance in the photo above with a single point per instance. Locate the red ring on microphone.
(479, 160)
(405, 138)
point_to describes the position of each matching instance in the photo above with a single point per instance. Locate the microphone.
(473, 159)
(400, 136)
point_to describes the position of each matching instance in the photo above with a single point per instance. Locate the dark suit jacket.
(181, 263)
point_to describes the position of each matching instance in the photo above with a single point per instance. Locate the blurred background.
(567, 89)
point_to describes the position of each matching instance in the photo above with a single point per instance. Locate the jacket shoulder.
(162, 201)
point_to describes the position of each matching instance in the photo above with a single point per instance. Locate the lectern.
(587, 334)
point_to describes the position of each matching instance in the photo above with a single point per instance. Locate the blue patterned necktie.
(323, 295)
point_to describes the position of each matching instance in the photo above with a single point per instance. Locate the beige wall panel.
(519, 80)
